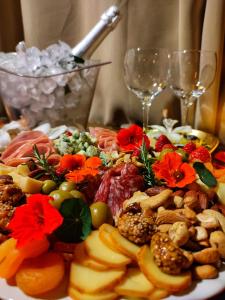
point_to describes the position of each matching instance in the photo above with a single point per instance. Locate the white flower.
(174, 135)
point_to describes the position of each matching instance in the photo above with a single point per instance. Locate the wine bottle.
(92, 40)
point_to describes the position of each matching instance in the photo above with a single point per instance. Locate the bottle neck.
(93, 39)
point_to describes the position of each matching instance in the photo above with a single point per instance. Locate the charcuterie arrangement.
(117, 214)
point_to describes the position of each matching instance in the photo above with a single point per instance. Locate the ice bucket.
(59, 99)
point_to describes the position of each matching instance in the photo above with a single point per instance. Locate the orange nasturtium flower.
(69, 162)
(173, 171)
(78, 167)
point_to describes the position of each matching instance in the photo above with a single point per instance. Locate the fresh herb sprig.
(42, 161)
(147, 161)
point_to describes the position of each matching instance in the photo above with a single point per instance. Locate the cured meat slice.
(21, 148)
(119, 184)
(106, 138)
(21, 141)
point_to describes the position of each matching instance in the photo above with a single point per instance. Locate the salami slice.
(119, 184)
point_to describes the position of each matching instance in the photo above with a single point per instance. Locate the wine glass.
(146, 75)
(191, 73)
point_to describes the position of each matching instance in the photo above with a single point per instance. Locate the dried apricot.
(40, 274)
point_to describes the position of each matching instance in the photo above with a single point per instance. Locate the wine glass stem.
(146, 104)
(184, 104)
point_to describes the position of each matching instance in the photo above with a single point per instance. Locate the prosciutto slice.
(118, 184)
(106, 138)
(20, 149)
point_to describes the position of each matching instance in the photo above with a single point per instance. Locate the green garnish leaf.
(204, 174)
(42, 161)
(149, 176)
(77, 221)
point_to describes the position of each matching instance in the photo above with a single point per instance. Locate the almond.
(169, 217)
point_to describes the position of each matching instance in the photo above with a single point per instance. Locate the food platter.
(200, 291)
(194, 290)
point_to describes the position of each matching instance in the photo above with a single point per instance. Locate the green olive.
(67, 186)
(100, 214)
(48, 186)
(77, 194)
(58, 197)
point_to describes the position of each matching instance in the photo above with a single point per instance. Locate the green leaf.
(77, 221)
(205, 175)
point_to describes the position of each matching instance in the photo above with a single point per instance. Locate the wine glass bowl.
(192, 72)
(146, 75)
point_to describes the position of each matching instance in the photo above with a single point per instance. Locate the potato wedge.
(100, 252)
(134, 284)
(76, 295)
(171, 283)
(82, 258)
(123, 245)
(92, 281)
(105, 231)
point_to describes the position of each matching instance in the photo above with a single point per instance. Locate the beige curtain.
(170, 24)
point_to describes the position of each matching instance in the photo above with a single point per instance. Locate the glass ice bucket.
(64, 98)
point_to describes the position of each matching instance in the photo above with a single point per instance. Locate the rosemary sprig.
(42, 161)
(149, 176)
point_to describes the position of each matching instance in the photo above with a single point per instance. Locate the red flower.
(89, 167)
(174, 171)
(130, 139)
(34, 220)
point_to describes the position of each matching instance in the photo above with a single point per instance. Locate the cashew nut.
(208, 220)
(136, 162)
(137, 197)
(179, 233)
(220, 217)
(201, 233)
(217, 240)
(158, 200)
(152, 202)
(178, 201)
